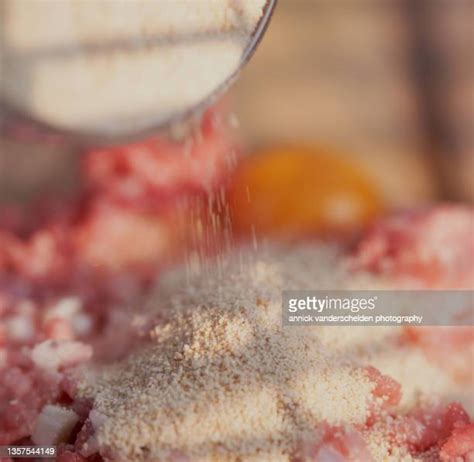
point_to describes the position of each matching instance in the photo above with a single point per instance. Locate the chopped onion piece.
(20, 328)
(52, 355)
(65, 308)
(54, 425)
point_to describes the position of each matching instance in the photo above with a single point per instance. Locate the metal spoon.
(31, 42)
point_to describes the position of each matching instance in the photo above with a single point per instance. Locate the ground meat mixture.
(78, 290)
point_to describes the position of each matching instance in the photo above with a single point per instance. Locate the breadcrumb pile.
(222, 379)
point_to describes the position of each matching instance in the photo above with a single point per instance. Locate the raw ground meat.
(72, 279)
(430, 248)
(459, 445)
(149, 175)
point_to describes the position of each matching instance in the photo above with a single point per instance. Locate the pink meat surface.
(152, 173)
(432, 248)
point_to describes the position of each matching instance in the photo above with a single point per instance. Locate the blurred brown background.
(388, 82)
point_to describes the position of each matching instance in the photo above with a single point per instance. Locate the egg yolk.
(301, 191)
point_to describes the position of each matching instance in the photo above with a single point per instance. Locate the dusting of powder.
(222, 379)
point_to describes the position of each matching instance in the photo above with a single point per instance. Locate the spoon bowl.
(111, 72)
